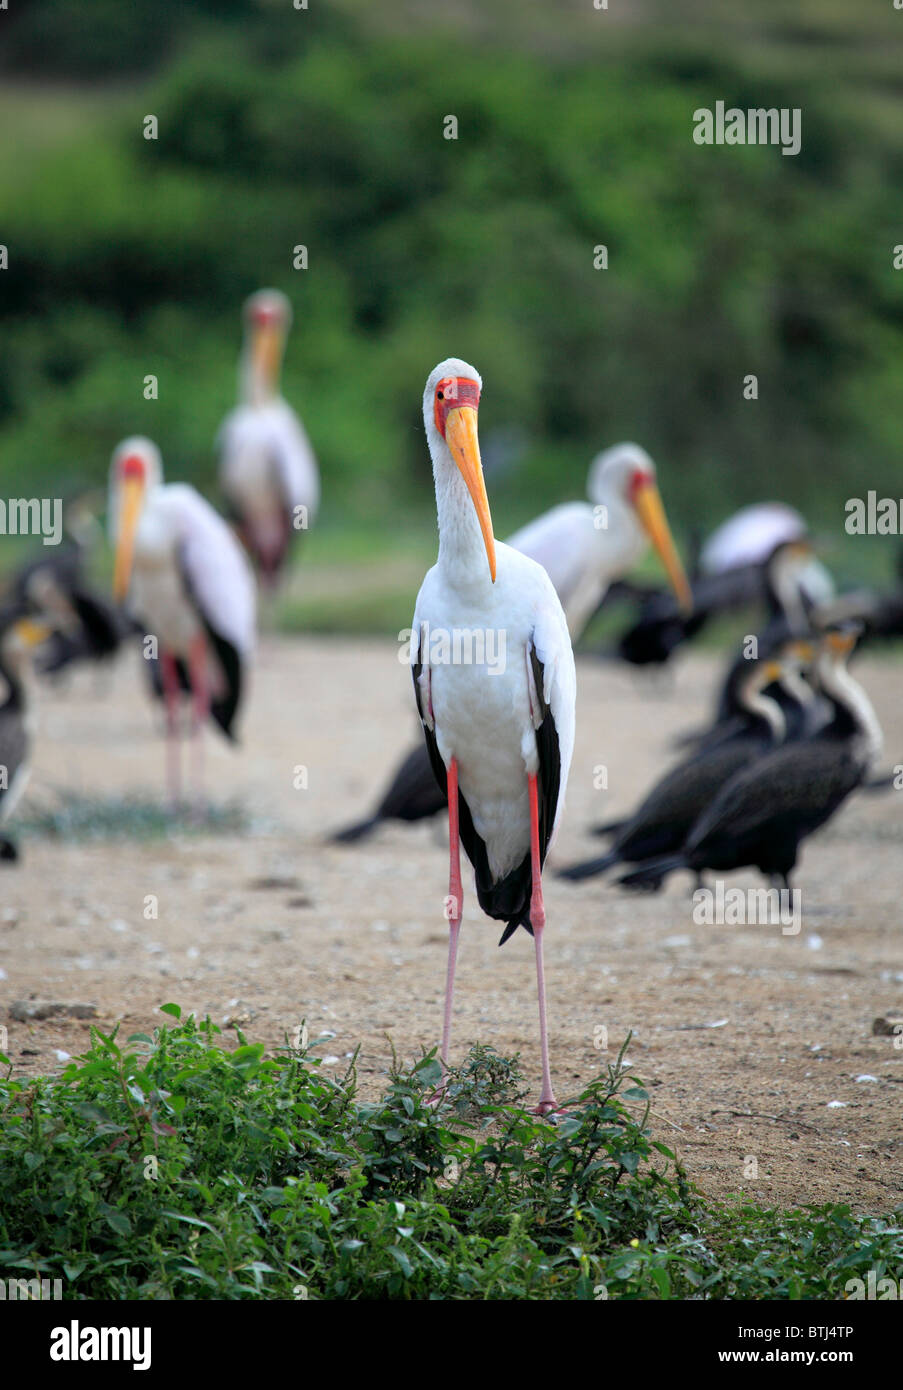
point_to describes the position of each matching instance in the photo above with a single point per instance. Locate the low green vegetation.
(84, 817)
(171, 1167)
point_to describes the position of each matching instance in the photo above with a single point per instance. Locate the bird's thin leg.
(452, 903)
(547, 1100)
(200, 695)
(170, 680)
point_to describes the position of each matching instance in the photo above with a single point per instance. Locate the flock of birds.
(792, 736)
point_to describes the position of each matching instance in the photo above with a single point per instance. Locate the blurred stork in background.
(184, 575)
(267, 470)
(584, 546)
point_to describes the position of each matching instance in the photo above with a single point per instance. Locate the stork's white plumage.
(584, 546)
(186, 578)
(499, 726)
(268, 472)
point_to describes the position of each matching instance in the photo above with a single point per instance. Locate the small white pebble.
(677, 941)
(379, 926)
(192, 953)
(60, 1055)
(866, 1076)
(837, 1104)
(118, 926)
(2, 973)
(814, 941)
(330, 1061)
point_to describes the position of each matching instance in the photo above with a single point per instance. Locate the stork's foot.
(546, 1107)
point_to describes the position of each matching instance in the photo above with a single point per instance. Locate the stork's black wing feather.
(224, 707)
(506, 899)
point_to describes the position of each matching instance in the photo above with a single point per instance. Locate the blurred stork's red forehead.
(639, 479)
(266, 313)
(132, 466)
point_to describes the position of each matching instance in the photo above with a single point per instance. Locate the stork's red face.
(132, 476)
(133, 467)
(451, 393)
(263, 314)
(455, 403)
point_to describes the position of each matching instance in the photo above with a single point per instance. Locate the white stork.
(185, 577)
(268, 472)
(584, 546)
(500, 734)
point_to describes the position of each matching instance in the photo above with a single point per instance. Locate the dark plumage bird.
(413, 794)
(17, 635)
(803, 711)
(82, 625)
(663, 820)
(787, 583)
(763, 814)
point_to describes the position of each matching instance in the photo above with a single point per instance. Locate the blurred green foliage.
(325, 127)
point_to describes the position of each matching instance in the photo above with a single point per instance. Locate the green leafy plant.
(168, 1166)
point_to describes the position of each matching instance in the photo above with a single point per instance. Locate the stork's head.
(135, 469)
(451, 400)
(268, 317)
(625, 474)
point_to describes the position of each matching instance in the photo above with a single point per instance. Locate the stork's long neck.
(621, 539)
(462, 552)
(256, 387)
(853, 708)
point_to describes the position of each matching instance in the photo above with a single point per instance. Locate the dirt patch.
(268, 926)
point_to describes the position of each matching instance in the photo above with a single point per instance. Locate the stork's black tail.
(649, 877)
(589, 868)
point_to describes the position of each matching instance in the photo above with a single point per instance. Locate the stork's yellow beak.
(463, 441)
(132, 502)
(650, 509)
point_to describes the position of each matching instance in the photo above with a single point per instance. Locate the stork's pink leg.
(170, 679)
(453, 903)
(200, 696)
(547, 1100)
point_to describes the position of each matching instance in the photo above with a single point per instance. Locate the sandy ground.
(756, 1045)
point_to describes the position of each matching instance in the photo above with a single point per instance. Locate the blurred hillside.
(325, 127)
